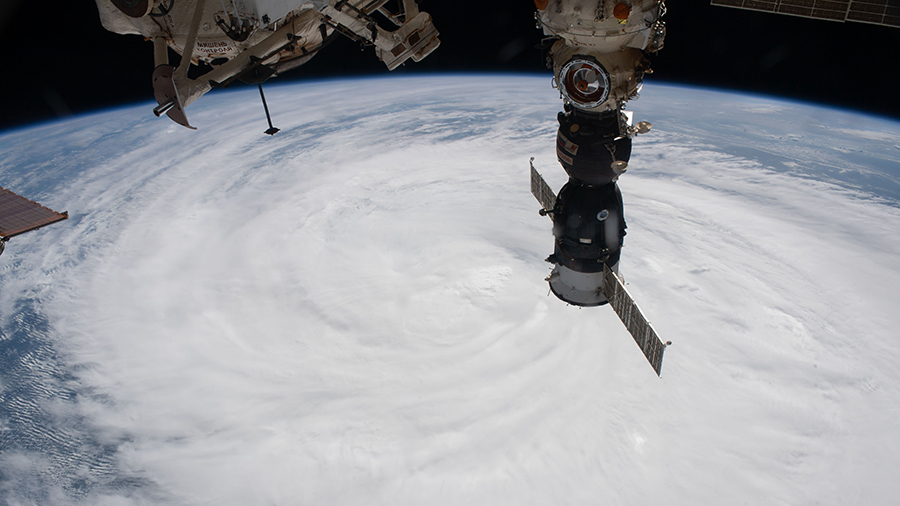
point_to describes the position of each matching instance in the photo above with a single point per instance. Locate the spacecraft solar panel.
(19, 215)
(541, 190)
(630, 314)
(878, 12)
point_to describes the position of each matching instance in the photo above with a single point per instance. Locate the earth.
(354, 310)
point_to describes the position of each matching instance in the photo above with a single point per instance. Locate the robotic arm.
(253, 40)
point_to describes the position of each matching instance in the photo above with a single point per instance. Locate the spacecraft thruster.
(253, 40)
(599, 56)
(19, 215)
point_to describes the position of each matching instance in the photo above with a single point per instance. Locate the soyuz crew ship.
(599, 57)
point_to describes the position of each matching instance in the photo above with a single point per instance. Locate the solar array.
(541, 190)
(19, 215)
(633, 319)
(876, 12)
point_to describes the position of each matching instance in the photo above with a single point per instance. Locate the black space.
(59, 60)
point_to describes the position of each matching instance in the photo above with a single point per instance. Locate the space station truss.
(19, 215)
(876, 12)
(633, 319)
(541, 190)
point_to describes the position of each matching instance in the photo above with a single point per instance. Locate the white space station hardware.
(19, 215)
(599, 55)
(253, 40)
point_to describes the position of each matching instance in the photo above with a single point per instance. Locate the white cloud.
(359, 316)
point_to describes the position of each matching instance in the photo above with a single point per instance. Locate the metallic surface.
(577, 288)
(167, 95)
(592, 24)
(624, 72)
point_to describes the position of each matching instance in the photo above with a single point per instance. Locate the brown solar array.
(19, 215)
(541, 190)
(633, 319)
(876, 12)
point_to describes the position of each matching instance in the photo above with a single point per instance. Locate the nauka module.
(254, 40)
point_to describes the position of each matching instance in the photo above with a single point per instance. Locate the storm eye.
(602, 215)
(584, 83)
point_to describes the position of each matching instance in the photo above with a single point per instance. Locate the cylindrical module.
(590, 148)
(599, 60)
(588, 227)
